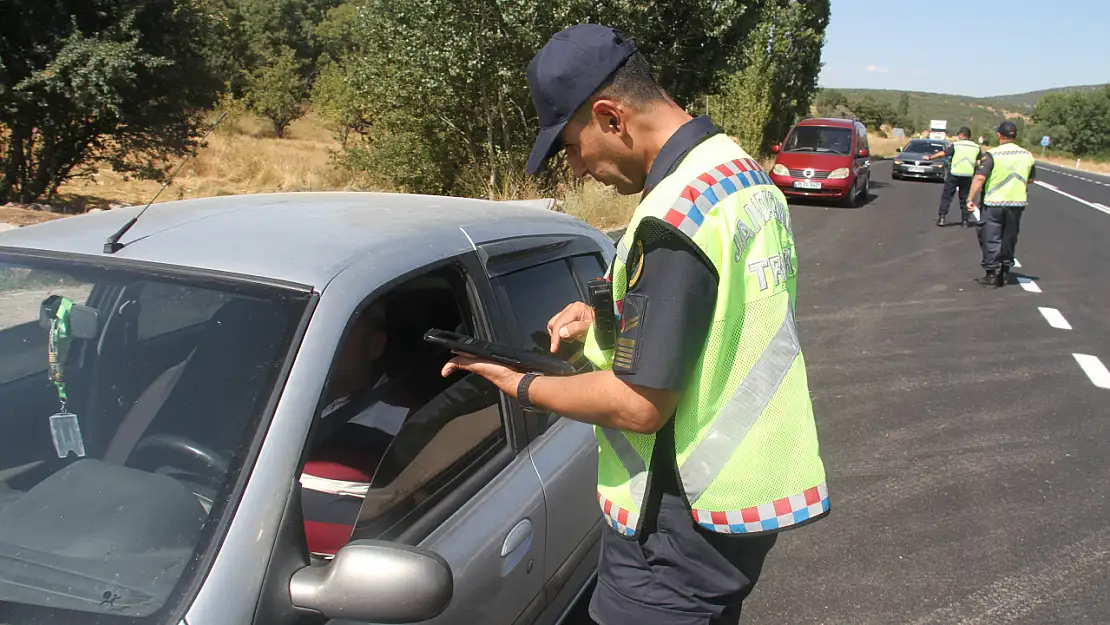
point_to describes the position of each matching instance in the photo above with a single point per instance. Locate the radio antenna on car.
(112, 245)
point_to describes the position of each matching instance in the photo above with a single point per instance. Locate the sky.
(967, 47)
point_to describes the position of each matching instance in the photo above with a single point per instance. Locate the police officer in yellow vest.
(1004, 174)
(706, 436)
(964, 154)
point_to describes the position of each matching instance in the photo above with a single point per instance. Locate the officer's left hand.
(504, 378)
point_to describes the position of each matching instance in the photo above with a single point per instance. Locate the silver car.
(200, 427)
(910, 161)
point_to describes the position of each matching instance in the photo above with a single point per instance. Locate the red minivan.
(824, 158)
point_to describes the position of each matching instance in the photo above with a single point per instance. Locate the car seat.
(210, 396)
(338, 472)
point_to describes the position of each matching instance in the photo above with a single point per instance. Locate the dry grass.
(25, 217)
(1084, 165)
(241, 157)
(600, 206)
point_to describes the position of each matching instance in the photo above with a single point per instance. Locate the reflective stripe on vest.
(736, 418)
(1009, 178)
(726, 204)
(963, 158)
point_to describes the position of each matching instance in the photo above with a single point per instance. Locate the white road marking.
(1094, 369)
(1028, 284)
(1098, 207)
(1054, 318)
(1016, 263)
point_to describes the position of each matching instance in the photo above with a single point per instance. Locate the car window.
(168, 307)
(924, 147)
(394, 435)
(821, 139)
(587, 267)
(535, 295)
(121, 497)
(22, 341)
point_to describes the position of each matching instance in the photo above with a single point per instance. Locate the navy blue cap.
(573, 64)
(1008, 130)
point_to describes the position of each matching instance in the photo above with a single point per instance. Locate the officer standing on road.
(964, 154)
(707, 441)
(1004, 173)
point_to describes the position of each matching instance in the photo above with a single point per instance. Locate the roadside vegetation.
(100, 99)
(1077, 118)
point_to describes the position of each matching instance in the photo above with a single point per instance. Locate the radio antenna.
(112, 245)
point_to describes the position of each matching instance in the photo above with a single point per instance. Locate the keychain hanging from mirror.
(65, 430)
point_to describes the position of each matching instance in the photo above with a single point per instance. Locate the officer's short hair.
(965, 131)
(633, 83)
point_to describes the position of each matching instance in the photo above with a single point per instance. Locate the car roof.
(827, 121)
(305, 238)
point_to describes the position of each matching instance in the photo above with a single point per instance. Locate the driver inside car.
(382, 377)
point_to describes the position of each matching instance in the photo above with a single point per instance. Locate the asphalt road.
(966, 447)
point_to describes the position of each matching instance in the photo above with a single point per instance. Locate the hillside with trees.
(421, 95)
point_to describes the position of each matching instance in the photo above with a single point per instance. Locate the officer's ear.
(610, 115)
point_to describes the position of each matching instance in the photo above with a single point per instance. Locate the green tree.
(1077, 121)
(904, 107)
(693, 44)
(277, 89)
(779, 76)
(121, 80)
(828, 100)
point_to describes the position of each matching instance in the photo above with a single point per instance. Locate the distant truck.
(938, 129)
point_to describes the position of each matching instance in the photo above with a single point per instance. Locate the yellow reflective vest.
(965, 153)
(1009, 179)
(745, 439)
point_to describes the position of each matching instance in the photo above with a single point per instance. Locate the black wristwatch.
(522, 390)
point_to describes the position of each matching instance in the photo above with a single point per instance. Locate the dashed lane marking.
(1017, 264)
(1028, 284)
(1054, 189)
(1094, 369)
(1064, 173)
(1054, 318)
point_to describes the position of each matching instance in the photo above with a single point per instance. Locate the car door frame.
(569, 578)
(505, 256)
(429, 528)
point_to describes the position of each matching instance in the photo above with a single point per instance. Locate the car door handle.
(519, 535)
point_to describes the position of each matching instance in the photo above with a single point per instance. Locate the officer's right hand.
(571, 324)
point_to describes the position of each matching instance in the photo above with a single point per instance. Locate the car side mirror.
(864, 153)
(776, 148)
(376, 581)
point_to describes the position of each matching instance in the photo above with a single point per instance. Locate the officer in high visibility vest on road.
(964, 154)
(706, 436)
(1004, 175)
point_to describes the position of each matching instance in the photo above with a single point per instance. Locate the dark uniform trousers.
(998, 235)
(963, 183)
(676, 573)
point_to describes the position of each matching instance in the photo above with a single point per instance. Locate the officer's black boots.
(1003, 275)
(964, 216)
(993, 277)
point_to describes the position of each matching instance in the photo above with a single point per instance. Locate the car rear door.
(533, 279)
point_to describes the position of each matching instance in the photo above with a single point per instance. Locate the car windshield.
(128, 399)
(828, 139)
(924, 147)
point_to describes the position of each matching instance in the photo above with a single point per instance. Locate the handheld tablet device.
(520, 359)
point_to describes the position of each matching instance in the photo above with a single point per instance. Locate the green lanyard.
(58, 347)
(65, 430)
